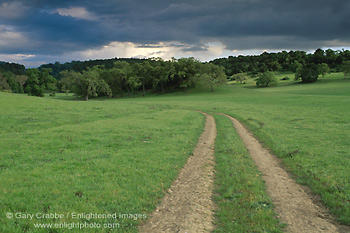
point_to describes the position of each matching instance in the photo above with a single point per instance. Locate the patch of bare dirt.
(293, 205)
(187, 205)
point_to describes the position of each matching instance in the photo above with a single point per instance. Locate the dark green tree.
(39, 81)
(331, 58)
(309, 73)
(33, 84)
(319, 57)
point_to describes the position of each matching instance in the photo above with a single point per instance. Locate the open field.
(88, 157)
(118, 155)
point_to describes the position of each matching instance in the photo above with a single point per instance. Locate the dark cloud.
(238, 24)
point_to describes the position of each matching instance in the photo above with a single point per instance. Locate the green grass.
(307, 125)
(93, 157)
(120, 154)
(240, 195)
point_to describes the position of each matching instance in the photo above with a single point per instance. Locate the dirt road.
(187, 206)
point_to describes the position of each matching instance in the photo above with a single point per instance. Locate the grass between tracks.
(242, 202)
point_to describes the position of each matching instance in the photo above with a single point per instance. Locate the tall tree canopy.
(86, 84)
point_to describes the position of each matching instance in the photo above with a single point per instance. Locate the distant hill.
(15, 68)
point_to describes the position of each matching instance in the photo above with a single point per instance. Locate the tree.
(185, 71)
(47, 82)
(323, 69)
(115, 78)
(162, 73)
(295, 66)
(86, 84)
(39, 81)
(297, 75)
(309, 73)
(33, 84)
(214, 75)
(265, 79)
(68, 80)
(21, 79)
(240, 77)
(14, 85)
(144, 72)
(346, 68)
(331, 57)
(133, 83)
(318, 57)
(275, 66)
(3, 82)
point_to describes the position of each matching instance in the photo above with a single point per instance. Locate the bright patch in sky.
(16, 57)
(166, 50)
(76, 12)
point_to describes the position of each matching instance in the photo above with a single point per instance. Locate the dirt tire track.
(292, 204)
(187, 206)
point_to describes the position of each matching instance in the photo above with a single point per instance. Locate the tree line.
(153, 74)
(116, 80)
(306, 66)
(282, 61)
(119, 76)
(12, 77)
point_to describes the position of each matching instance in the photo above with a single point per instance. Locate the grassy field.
(118, 155)
(307, 125)
(88, 157)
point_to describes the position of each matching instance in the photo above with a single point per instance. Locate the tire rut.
(292, 204)
(187, 206)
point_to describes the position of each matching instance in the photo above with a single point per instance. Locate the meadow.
(70, 157)
(119, 155)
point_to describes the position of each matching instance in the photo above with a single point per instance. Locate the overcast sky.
(33, 32)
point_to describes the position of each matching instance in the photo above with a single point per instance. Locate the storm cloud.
(55, 29)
